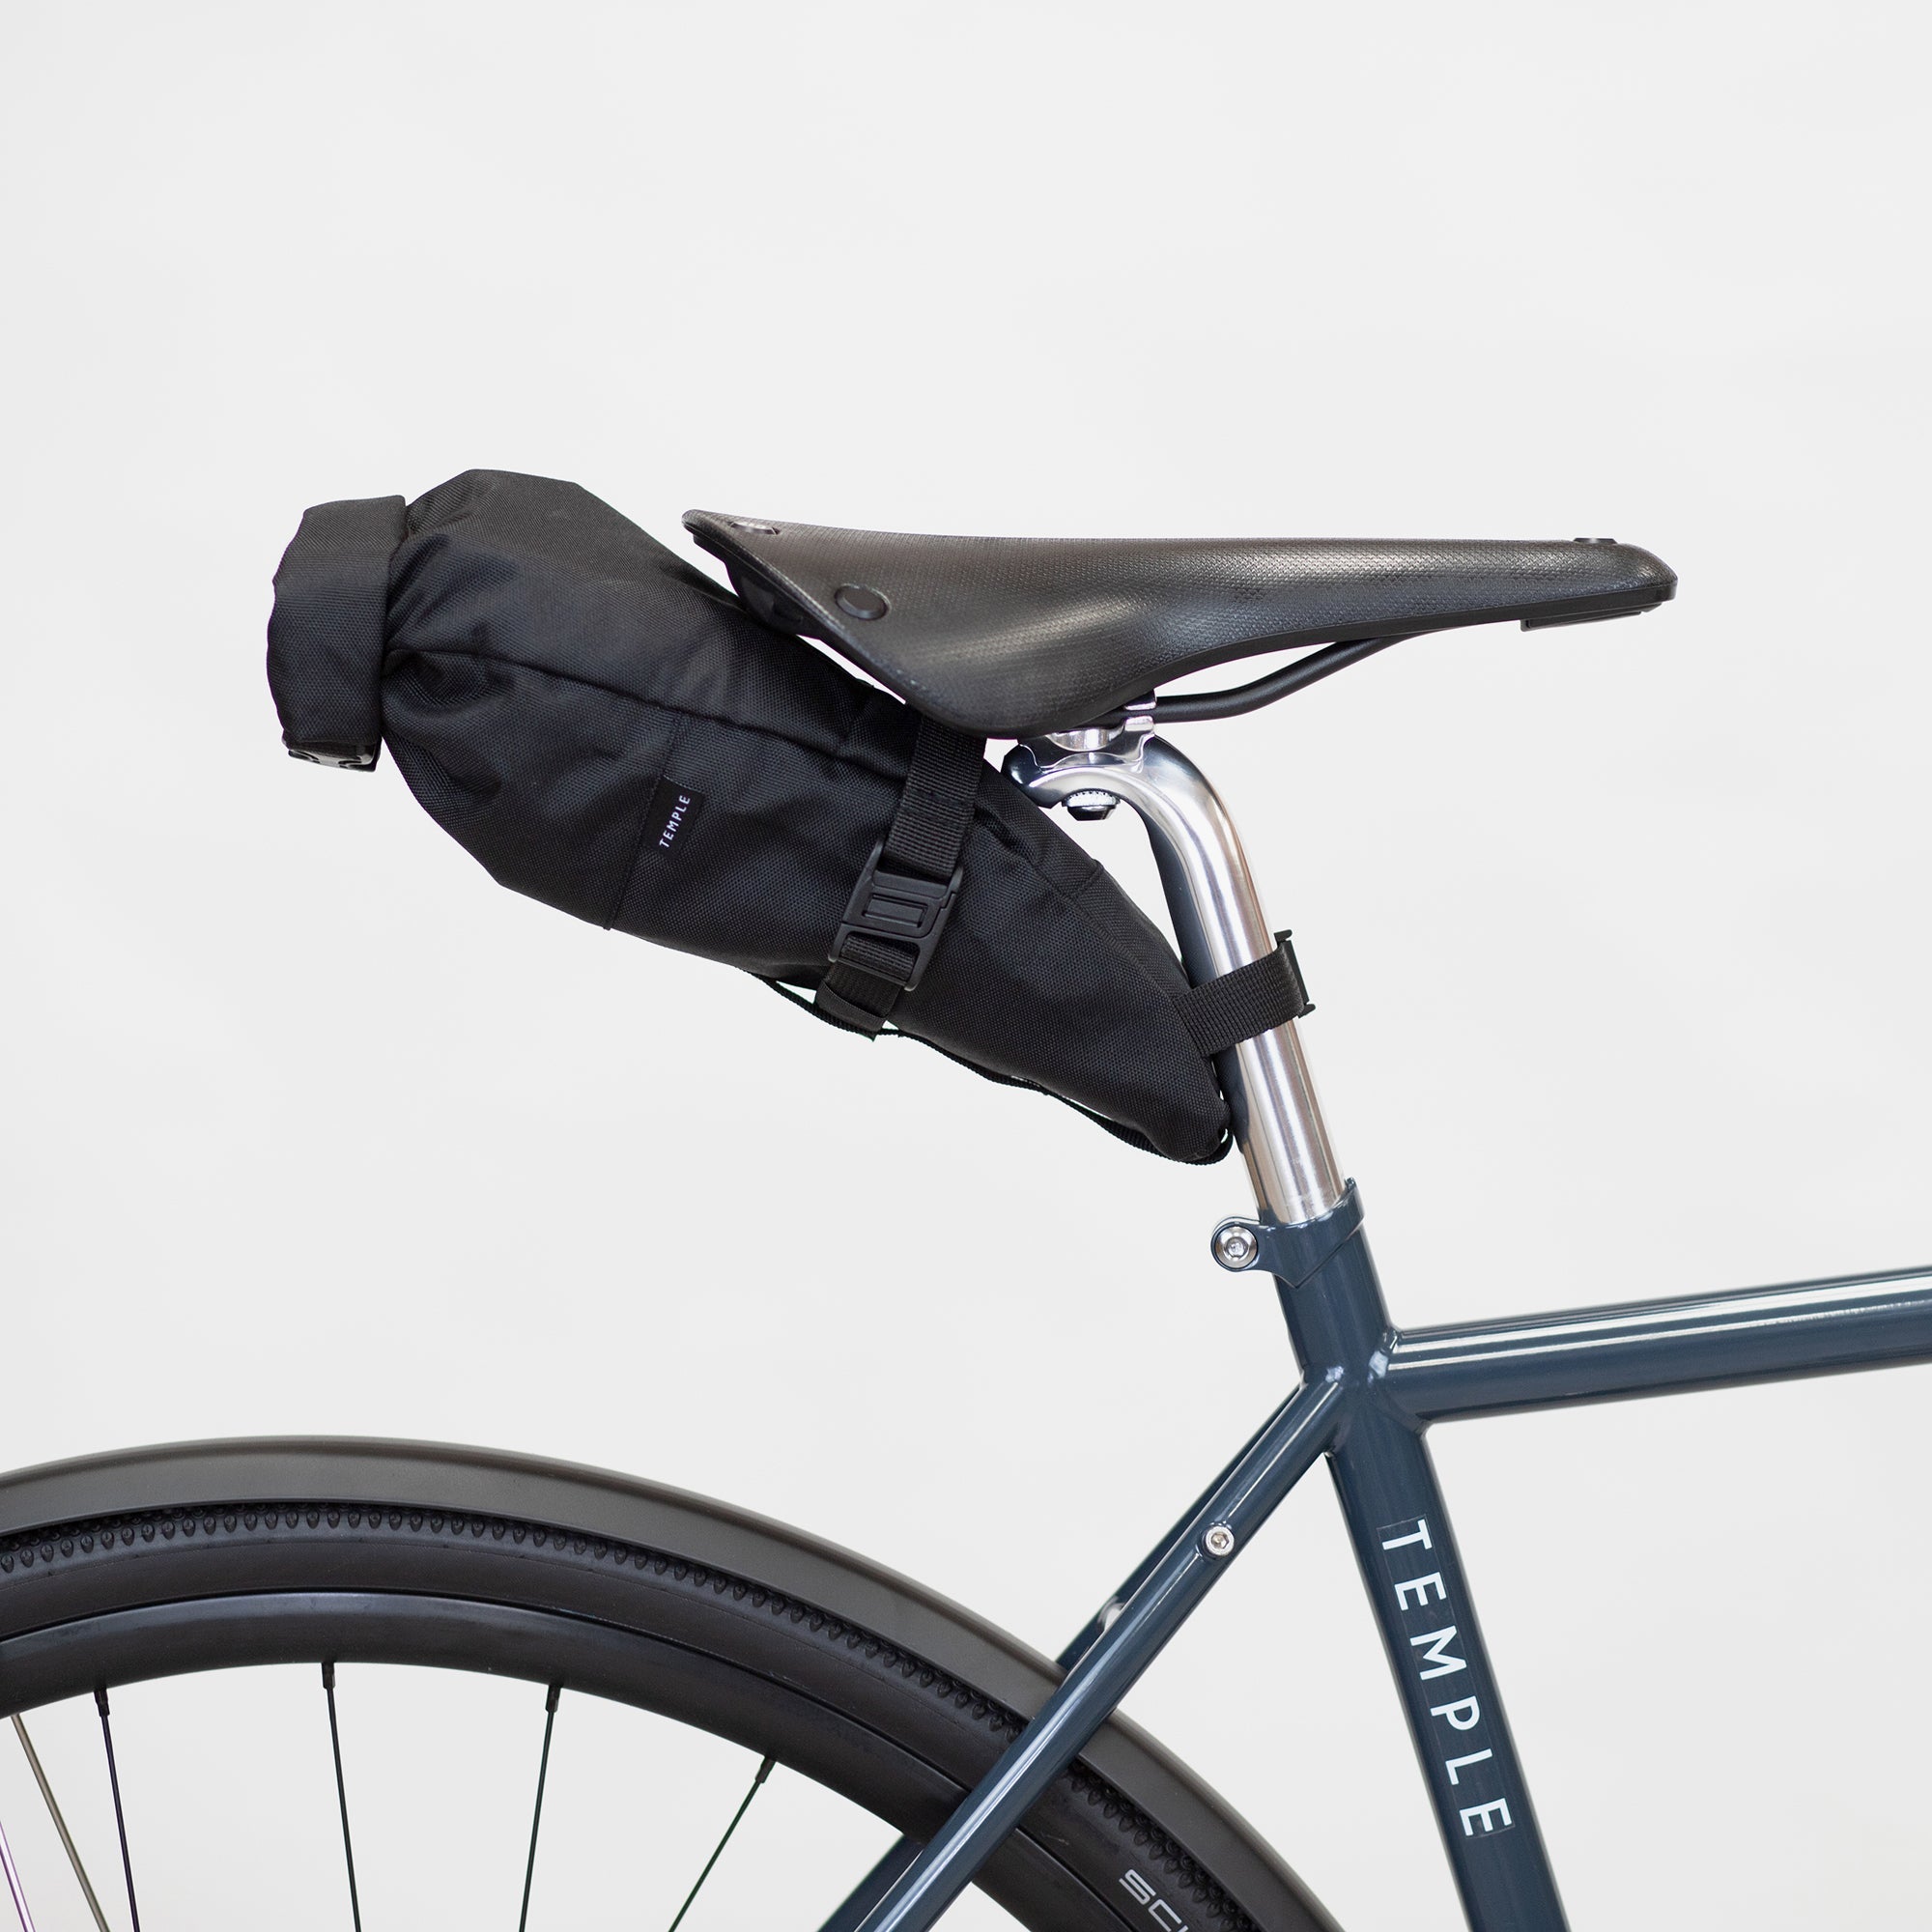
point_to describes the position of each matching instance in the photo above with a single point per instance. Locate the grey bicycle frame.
(1368, 1394)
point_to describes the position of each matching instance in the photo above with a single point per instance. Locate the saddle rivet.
(1219, 1541)
(861, 601)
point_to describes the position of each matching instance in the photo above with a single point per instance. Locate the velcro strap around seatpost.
(1253, 999)
(905, 896)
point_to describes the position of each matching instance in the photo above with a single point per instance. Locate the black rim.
(586, 1656)
(175, 1586)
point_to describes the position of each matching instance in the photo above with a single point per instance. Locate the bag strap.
(1253, 999)
(904, 896)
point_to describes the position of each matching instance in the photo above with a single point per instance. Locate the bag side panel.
(542, 779)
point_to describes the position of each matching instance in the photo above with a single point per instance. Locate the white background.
(1617, 933)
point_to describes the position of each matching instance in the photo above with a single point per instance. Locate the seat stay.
(851, 1913)
(1175, 1582)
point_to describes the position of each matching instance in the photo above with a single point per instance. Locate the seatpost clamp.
(1245, 1244)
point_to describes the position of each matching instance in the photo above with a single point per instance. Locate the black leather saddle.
(1004, 637)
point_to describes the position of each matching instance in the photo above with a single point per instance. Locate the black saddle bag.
(609, 730)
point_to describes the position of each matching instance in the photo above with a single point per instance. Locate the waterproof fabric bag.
(607, 729)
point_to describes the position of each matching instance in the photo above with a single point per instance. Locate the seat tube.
(1407, 1554)
(1407, 1550)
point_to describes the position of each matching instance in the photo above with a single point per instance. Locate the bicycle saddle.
(1004, 637)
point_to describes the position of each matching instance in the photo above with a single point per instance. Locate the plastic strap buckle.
(898, 907)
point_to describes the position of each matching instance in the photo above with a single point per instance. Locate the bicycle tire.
(167, 1562)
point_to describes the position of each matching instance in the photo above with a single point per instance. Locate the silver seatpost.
(1217, 919)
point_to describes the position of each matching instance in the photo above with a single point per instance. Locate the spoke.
(119, 1821)
(764, 1772)
(536, 1814)
(60, 1822)
(13, 1884)
(341, 1796)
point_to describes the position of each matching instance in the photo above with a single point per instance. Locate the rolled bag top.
(326, 631)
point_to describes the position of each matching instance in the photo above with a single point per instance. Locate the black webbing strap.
(1253, 999)
(905, 896)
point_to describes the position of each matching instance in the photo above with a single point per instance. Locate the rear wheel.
(169, 1562)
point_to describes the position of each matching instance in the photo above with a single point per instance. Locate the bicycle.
(990, 1763)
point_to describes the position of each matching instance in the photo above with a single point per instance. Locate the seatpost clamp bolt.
(1236, 1246)
(1219, 1541)
(1089, 805)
